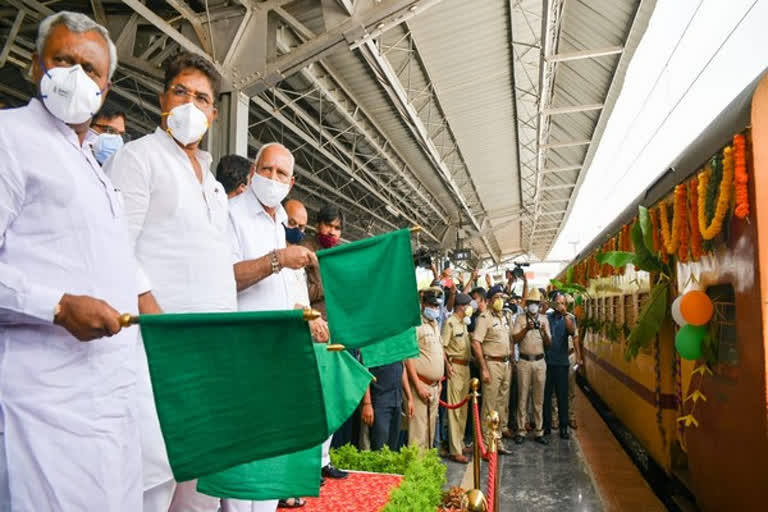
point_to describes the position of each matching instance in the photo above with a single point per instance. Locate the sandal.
(297, 503)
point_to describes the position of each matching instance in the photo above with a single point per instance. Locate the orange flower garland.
(740, 176)
(671, 240)
(708, 232)
(681, 211)
(693, 224)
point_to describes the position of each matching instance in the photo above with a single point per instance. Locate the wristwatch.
(276, 267)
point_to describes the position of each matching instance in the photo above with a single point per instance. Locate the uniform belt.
(537, 357)
(498, 359)
(571, 351)
(456, 360)
(428, 382)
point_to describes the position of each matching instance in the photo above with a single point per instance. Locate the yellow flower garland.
(670, 241)
(708, 232)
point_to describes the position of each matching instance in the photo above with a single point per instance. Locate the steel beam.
(585, 54)
(557, 187)
(569, 144)
(355, 29)
(12, 36)
(571, 109)
(557, 170)
(193, 19)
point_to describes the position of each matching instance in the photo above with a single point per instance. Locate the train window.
(723, 324)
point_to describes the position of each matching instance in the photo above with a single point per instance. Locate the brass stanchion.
(474, 385)
(474, 501)
(494, 429)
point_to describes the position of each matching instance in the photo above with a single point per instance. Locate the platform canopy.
(471, 118)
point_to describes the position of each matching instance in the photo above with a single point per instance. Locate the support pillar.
(229, 133)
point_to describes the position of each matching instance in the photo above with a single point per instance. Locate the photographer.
(531, 332)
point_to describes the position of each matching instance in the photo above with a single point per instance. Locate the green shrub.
(424, 474)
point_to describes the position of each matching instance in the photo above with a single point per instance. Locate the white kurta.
(178, 227)
(255, 234)
(68, 407)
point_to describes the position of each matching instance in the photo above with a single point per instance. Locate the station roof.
(469, 118)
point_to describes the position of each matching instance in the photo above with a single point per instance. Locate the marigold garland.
(670, 240)
(740, 176)
(695, 238)
(681, 210)
(709, 232)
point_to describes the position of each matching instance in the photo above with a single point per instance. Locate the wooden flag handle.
(415, 229)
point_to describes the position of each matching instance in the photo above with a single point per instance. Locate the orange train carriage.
(717, 446)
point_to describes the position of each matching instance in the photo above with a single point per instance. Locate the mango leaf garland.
(649, 321)
(616, 259)
(645, 225)
(644, 258)
(569, 275)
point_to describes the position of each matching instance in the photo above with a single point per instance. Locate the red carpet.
(359, 492)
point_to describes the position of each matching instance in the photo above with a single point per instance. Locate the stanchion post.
(494, 429)
(474, 385)
(474, 501)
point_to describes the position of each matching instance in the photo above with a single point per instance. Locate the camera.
(518, 271)
(421, 258)
(536, 325)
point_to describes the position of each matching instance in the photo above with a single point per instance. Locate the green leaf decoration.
(644, 258)
(557, 284)
(644, 221)
(571, 288)
(650, 320)
(616, 259)
(569, 275)
(579, 300)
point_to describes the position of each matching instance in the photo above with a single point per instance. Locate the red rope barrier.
(492, 467)
(479, 430)
(455, 406)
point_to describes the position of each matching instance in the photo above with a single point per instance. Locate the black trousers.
(386, 428)
(557, 382)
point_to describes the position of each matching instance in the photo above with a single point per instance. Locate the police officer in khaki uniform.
(531, 331)
(426, 372)
(458, 351)
(491, 344)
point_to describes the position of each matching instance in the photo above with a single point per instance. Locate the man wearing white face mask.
(532, 333)
(260, 254)
(177, 219)
(68, 434)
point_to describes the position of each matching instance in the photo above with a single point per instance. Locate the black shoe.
(541, 440)
(322, 481)
(332, 472)
(547, 431)
(564, 434)
(519, 439)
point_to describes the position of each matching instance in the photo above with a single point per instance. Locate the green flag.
(370, 289)
(233, 387)
(397, 348)
(344, 381)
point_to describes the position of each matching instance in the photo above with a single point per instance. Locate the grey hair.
(78, 23)
(273, 145)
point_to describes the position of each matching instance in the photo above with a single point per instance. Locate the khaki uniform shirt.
(456, 339)
(430, 363)
(494, 334)
(532, 344)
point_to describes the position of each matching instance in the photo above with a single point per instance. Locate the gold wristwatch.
(275, 262)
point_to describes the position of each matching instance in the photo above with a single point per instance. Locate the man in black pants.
(561, 325)
(383, 403)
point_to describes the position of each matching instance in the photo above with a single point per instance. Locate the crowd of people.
(94, 226)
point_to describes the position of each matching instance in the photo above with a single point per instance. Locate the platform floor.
(588, 473)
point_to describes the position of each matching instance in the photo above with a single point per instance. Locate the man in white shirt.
(177, 220)
(262, 259)
(68, 434)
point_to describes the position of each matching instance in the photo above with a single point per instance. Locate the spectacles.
(105, 128)
(200, 99)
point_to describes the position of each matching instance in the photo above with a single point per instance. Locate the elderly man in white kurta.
(263, 262)
(177, 220)
(68, 434)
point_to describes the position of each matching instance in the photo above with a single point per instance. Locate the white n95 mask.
(70, 94)
(187, 123)
(269, 192)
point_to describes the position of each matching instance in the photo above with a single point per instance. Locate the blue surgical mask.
(431, 313)
(106, 145)
(293, 236)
